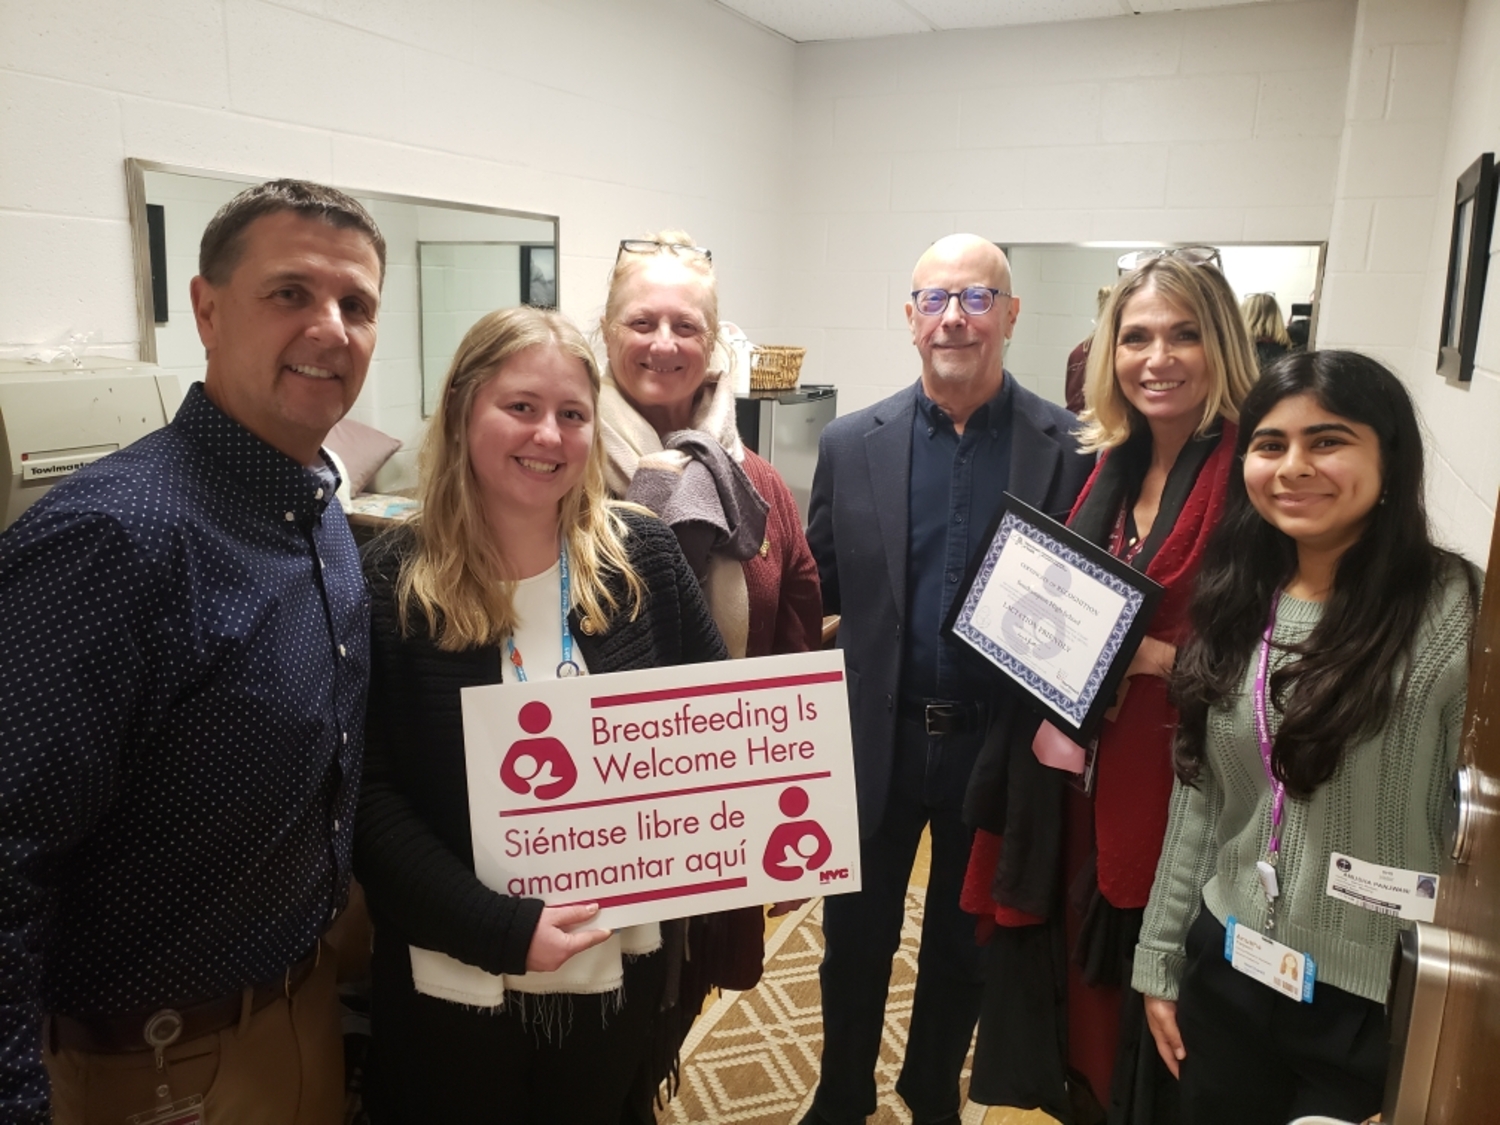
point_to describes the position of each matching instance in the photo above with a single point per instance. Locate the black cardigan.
(412, 848)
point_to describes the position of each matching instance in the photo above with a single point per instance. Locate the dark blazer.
(857, 528)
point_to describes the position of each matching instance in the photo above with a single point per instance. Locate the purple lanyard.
(1263, 730)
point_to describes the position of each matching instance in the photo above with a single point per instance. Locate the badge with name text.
(1057, 615)
(1410, 895)
(666, 792)
(1277, 966)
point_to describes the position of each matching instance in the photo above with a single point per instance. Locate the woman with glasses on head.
(669, 432)
(668, 420)
(519, 567)
(1169, 365)
(1322, 699)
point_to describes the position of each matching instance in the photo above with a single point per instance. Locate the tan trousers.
(284, 1065)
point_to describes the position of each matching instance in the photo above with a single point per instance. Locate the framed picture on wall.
(1468, 262)
(539, 276)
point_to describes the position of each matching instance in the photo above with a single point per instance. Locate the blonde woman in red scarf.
(1054, 872)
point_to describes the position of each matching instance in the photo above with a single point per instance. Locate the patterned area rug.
(752, 1058)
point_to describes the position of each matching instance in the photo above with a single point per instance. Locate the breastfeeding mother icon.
(789, 840)
(539, 766)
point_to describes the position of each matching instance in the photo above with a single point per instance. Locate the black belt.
(944, 716)
(126, 1034)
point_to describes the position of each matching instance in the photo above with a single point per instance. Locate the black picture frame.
(1013, 515)
(1468, 264)
(539, 276)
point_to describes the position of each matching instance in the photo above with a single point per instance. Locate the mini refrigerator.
(784, 427)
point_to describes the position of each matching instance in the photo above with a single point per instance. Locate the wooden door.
(1466, 1076)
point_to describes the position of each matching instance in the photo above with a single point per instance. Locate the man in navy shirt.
(901, 499)
(184, 636)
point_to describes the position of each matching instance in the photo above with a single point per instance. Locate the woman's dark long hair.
(1340, 690)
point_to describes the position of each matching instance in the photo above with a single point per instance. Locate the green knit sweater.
(1384, 804)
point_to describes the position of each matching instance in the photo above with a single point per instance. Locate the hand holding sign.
(554, 942)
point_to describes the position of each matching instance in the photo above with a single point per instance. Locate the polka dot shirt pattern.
(184, 653)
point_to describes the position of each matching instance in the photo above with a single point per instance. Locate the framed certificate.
(1057, 615)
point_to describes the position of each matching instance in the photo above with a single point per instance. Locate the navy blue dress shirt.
(184, 653)
(957, 481)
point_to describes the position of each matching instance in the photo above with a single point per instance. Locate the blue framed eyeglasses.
(976, 300)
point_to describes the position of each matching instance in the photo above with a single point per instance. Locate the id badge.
(188, 1111)
(1084, 782)
(1408, 895)
(1278, 967)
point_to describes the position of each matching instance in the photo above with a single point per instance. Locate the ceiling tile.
(1144, 6)
(952, 14)
(808, 20)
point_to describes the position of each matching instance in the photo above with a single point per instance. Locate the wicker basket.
(775, 368)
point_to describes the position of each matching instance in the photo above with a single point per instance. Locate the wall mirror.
(458, 282)
(1058, 285)
(446, 265)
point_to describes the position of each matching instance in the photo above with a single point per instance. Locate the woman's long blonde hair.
(1200, 291)
(1263, 319)
(455, 577)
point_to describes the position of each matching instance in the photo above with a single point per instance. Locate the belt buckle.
(933, 715)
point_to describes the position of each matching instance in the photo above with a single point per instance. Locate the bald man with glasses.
(903, 493)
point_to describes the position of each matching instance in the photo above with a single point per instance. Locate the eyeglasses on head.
(651, 246)
(1193, 255)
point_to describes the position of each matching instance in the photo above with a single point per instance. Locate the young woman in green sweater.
(1321, 701)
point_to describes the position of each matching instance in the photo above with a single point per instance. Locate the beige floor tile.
(1004, 1115)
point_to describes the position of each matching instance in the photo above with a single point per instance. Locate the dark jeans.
(862, 932)
(1255, 1057)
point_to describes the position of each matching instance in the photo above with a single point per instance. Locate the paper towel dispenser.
(54, 421)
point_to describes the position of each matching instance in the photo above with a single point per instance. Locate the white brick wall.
(618, 117)
(1423, 103)
(1217, 125)
(817, 173)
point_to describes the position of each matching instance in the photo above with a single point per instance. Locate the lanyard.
(566, 668)
(1266, 868)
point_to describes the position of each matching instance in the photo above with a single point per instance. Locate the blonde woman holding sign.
(488, 1007)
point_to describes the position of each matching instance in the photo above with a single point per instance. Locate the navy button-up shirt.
(957, 481)
(184, 653)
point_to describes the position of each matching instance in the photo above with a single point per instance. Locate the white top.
(538, 638)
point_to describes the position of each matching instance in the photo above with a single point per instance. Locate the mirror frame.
(1458, 342)
(135, 193)
(1124, 245)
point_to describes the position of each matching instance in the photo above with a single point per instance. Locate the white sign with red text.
(666, 792)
